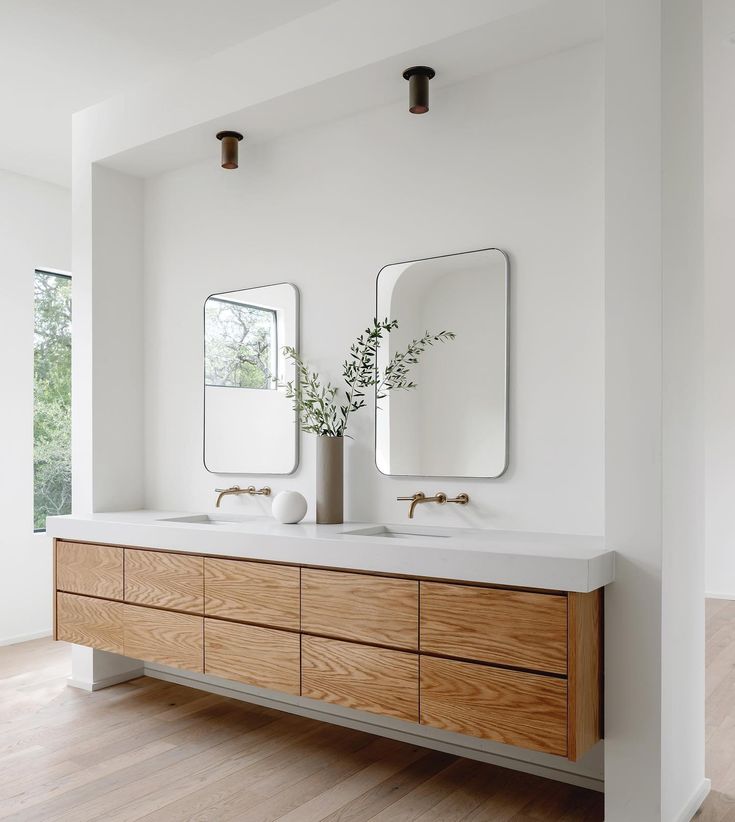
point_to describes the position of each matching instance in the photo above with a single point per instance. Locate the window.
(51, 397)
(240, 346)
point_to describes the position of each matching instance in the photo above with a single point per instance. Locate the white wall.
(654, 475)
(512, 160)
(719, 182)
(35, 232)
(683, 780)
(107, 354)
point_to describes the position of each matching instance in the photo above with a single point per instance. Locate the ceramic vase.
(329, 480)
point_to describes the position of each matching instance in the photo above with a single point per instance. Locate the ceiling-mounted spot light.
(229, 140)
(418, 88)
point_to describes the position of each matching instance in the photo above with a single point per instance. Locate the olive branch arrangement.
(324, 408)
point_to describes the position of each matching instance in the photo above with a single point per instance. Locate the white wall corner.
(689, 811)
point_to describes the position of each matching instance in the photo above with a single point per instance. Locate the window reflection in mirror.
(241, 345)
(249, 424)
(454, 423)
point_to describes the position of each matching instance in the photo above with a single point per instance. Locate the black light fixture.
(229, 140)
(418, 88)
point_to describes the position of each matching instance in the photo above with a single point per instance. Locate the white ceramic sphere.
(289, 507)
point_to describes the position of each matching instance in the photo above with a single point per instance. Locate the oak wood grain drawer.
(363, 677)
(163, 636)
(164, 580)
(252, 592)
(517, 628)
(514, 707)
(97, 623)
(360, 607)
(95, 570)
(258, 656)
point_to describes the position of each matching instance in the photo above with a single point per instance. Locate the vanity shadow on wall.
(249, 424)
(455, 422)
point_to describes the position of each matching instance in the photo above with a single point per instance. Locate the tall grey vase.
(329, 480)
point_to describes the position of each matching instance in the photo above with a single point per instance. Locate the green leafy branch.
(397, 374)
(324, 408)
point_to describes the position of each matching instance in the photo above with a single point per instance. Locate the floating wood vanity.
(506, 663)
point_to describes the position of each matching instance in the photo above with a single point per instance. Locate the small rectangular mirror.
(454, 423)
(249, 425)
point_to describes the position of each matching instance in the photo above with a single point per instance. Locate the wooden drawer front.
(165, 637)
(364, 608)
(514, 707)
(164, 580)
(516, 628)
(257, 656)
(360, 676)
(97, 623)
(252, 592)
(96, 570)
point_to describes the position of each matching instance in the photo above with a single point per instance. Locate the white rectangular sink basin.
(209, 519)
(397, 532)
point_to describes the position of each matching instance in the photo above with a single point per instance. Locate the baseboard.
(99, 684)
(713, 595)
(16, 640)
(424, 737)
(695, 803)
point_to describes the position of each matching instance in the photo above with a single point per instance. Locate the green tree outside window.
(51, 398)
(240, 345)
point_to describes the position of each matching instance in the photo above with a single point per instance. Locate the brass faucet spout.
(417, 500)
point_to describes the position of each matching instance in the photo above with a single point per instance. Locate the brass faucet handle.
(265, 491)
(232, 488)
(460, 499)
(417, 495)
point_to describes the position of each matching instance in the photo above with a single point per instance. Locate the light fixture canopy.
(418, 88)
(230, 146)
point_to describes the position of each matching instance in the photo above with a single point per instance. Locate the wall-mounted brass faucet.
(440, 498)
(235, 489)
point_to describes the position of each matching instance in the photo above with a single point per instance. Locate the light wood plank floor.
(152, 750)
(720, 694)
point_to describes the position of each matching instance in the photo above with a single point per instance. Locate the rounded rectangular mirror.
(249, 425)
(454, 423)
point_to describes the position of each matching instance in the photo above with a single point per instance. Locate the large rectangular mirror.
(454, 423)
(249, 425)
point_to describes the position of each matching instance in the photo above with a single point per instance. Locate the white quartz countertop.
(517, 558)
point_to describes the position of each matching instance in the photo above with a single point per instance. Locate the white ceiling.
(60, 56)
(523, 31)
